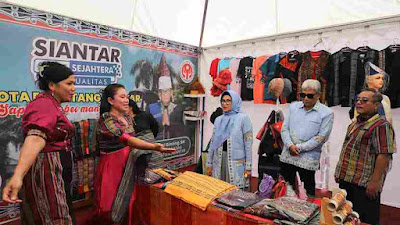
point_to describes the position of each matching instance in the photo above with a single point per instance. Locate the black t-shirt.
(244, 72)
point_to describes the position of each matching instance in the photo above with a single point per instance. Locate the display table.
(154, 206)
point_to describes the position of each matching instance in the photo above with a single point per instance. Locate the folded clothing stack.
(239, 199)
(285, 208)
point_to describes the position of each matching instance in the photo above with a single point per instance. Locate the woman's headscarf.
(223, 124)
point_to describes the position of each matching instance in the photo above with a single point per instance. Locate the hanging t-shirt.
(214, 68)
(236, 81)
(390, 63)
(223, 64)
(315, 65)
(359, 58)
(338, 85)
(258, 91)
(268, 70)
(288, 67)
(245, 68)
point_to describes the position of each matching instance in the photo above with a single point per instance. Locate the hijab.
(223, 125)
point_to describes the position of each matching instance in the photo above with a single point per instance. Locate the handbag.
(279, 189)
(271, 142)
(266, 185)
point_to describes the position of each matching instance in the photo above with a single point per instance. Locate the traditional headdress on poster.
(280, 87)
(164, 81)
(371, 69)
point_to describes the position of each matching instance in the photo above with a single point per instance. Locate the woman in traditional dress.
(229, 156)
(121, 164)
(45, 163)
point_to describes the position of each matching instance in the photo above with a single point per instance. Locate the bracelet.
(35, 132)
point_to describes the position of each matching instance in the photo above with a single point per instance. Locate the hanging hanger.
(294, 48)
(293, 53)
(395, 46)
(319, 41)
(365, 47)
(315, 49)
(346, 48)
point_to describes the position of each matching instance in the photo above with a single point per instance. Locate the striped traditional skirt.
(46, 190)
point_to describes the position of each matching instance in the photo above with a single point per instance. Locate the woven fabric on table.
(197, 189)
(239, 199)
(295, 209)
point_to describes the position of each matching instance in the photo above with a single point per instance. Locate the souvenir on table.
(165, 173)
(266, 185)
(296, 210)
(239, 199)
(338, 210)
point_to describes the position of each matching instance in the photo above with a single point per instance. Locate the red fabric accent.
(108, 175)
(278, 126)
(279, 188)
(315, 55)
(124, 138)
(86, 135)
(261, 132)
(214, 68)
(131, 204)
(221, 82)
(258, 91)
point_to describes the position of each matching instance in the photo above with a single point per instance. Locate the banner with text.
(154, 73)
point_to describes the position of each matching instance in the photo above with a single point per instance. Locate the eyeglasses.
(228, 102)
(310, 96)
(362, 100)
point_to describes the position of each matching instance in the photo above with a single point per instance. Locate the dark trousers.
(369, 209)
(268, 164)
(288, 171)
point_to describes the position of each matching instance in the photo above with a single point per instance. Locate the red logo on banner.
(187, 72)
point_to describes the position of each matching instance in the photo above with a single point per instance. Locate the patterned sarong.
(134, 169)
(44, 193)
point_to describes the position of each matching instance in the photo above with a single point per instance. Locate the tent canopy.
(226, 20)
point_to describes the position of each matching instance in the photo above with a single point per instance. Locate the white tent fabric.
(226, 20)
(176, 20)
